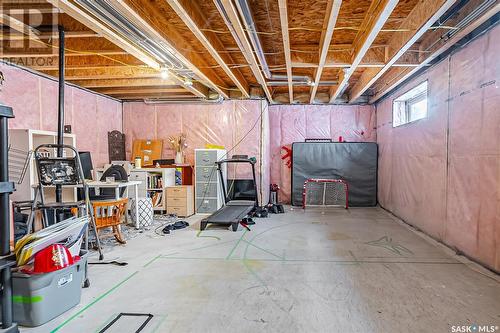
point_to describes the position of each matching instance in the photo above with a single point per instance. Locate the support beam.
(347, 65)
(332, 13)
(377, 15)
(230, 15)
(50, 35)
(94, 73)
(403, 74)
(134, 91)
(19, 26)
(191, 15)
(30, 11)
(125, 82)
(283, 8)
(423, 15)
(68, 54)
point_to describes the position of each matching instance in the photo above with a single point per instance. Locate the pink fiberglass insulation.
(233, 124)
(442, 174)
(34, 99)
(289, 124)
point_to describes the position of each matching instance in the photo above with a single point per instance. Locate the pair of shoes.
(175, 226)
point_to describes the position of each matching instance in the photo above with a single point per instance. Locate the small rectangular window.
(411, 106)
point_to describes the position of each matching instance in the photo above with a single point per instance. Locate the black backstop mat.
(354, 162)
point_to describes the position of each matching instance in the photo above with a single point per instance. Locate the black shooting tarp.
(354, 162)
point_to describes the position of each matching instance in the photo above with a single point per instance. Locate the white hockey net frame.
(325, 192)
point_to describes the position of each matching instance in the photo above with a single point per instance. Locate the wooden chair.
(109, 214)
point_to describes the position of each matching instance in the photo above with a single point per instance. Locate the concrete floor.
(315, 271)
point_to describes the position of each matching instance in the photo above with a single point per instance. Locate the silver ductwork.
(299, 83)
(197, 101)
(249, 23)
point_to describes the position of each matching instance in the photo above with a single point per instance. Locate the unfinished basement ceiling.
(287, 51)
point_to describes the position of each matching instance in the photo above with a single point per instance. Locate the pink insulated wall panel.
(35, 102)
(442, 174)
(236, 125)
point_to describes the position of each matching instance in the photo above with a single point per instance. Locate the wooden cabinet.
(180, 200)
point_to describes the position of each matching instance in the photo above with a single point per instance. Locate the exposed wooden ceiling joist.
(68, 54)
(191, 15)
(30, 11)
(125, 82)
(419, 20)
(404, 73)
(377, 15)
(50, 35)
(332, 12)
(139, 90)
(18, 26)
(232, 14)
(283, 8)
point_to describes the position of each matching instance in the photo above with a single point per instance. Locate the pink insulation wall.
(239, 124)
(295, 123)
(35, 102)
(442, 174)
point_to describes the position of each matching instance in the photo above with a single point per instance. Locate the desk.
(117, 185)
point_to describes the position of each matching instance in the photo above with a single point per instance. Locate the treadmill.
(233, 211)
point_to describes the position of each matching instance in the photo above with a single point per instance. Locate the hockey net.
(325, 192)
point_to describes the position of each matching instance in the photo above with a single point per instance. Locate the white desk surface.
(97, 183)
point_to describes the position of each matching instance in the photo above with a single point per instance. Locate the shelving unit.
(151, 186)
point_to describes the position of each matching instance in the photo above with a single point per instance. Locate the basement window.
(411, 106)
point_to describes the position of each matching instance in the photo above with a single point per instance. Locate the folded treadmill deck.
(232, 214)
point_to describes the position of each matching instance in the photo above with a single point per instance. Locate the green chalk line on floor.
(236, 245)
(86, 307)
(151, 261)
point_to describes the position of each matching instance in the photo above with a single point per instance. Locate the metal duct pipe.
(246, 15)
(196, 101)
(299, 83)
(107, 13)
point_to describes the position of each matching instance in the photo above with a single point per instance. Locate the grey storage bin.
(38, 298)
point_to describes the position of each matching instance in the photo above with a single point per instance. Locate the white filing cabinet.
(208, 191)
(151, 186)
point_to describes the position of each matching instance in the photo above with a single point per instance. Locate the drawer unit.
(206, 157)
(208, 191)
(180, 200)
(206, 205)
(207, 174)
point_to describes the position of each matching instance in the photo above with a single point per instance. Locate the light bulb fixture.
(164, 74)
(188, 82)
